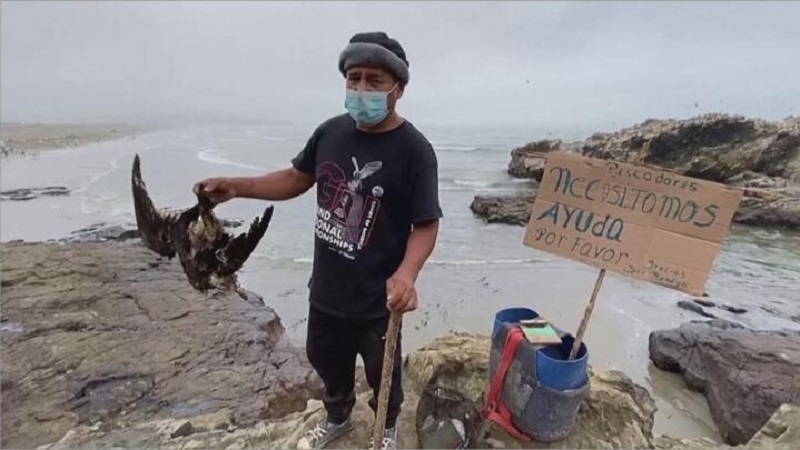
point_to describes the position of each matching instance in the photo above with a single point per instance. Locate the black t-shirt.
(371, 189)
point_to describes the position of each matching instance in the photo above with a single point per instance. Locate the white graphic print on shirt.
(346, 214)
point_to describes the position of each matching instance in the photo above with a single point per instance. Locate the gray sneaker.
(389, 439)
(323, 433)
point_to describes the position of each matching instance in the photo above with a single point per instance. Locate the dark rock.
(103, 232)
(763, 158)
(32, 193)
(713, 147)
(512, 209)
(107, 232)
(706, 303)
(92, 333)
(745, 374)
(184, 430)
(775, 207)
(733, 309)
(528, 161)
(710, 304)
(691, 306)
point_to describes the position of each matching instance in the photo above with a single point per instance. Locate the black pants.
(332, 346)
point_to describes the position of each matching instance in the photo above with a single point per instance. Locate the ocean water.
(475, 270)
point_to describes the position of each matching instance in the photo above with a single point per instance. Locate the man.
(377, 222)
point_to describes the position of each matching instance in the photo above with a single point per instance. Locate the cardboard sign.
(638, 221)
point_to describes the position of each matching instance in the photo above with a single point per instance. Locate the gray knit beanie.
(375, 49)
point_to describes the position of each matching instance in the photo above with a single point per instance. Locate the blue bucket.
(553, 368)
(556, 371)
(512, 315)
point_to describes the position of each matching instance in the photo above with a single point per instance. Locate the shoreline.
(22, 139)
(665, 382)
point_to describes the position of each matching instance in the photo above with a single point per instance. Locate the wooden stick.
(386, 378)
(586, 315)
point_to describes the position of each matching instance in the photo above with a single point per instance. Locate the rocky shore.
(762, 158)
(98, 332)
(105, 345)
(745, 374)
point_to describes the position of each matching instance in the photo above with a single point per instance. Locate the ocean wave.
(474, 183)
(212, 157)
(450, 146)
(112, 166)
(487, 181)
(274, 139)
(485, 185)
(459, 149)
(453, 148)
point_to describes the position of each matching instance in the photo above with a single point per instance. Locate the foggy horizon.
(593, 66)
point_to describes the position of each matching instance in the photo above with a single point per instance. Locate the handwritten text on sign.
(639, 221)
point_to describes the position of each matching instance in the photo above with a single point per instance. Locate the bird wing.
(239, 248)
(154, 227)
(370, 168)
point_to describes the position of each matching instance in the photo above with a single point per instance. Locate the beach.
(477, 268)
(26, 138)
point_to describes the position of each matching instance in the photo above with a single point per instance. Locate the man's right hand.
(220, 190)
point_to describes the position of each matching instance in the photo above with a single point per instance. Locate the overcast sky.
(545, 64)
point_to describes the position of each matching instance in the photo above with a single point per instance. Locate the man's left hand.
(402, 295)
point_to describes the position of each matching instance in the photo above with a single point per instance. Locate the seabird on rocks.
(209, 255)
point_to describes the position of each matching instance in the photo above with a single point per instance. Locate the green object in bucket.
(539, 331)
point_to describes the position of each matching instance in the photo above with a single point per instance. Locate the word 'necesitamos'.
(635, 199)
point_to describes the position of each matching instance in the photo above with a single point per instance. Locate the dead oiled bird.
(209, 255)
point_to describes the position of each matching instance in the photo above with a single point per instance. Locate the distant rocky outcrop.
(714, 147)
(528, 161)
(745, 374)
(761, 157)
(99, 332)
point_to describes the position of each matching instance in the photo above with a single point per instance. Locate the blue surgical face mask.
(367, 107)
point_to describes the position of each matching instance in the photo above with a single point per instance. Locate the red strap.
(496, 409)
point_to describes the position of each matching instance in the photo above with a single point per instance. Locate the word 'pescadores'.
(635, 220)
